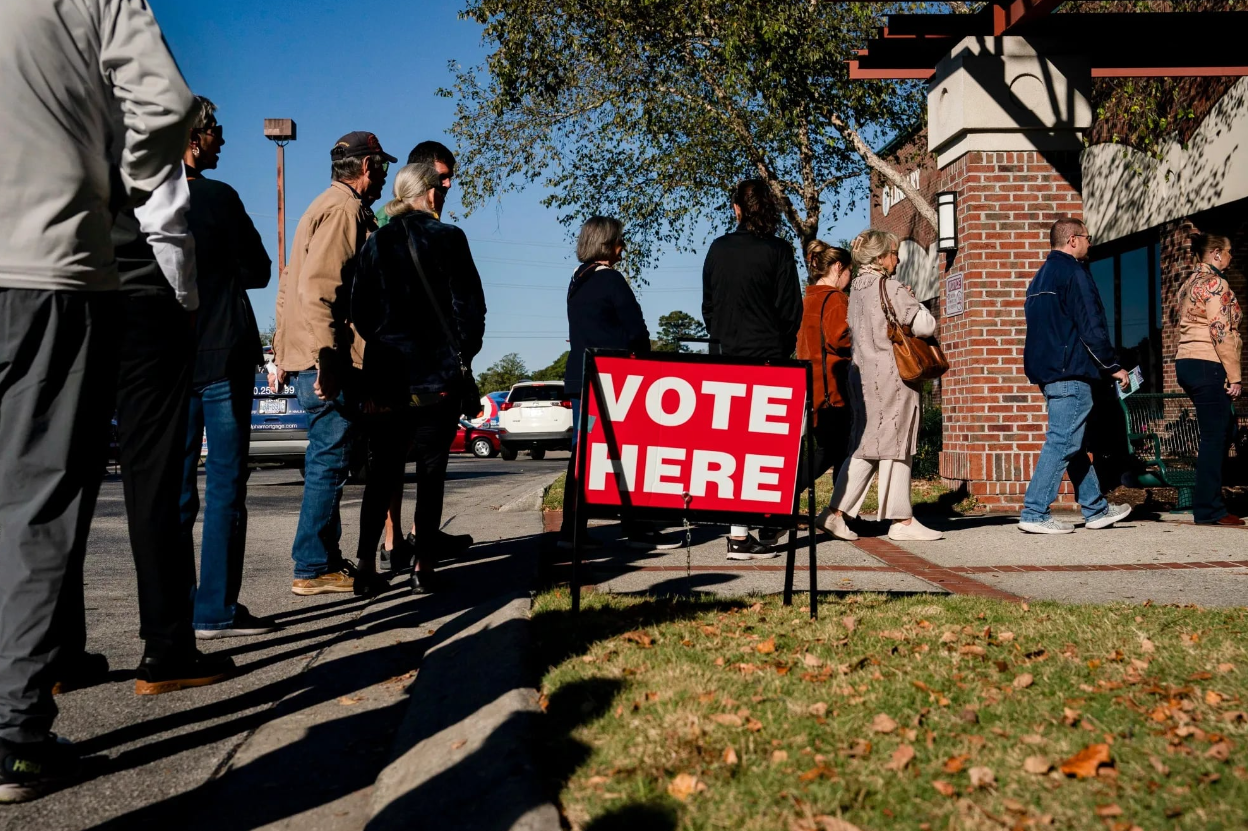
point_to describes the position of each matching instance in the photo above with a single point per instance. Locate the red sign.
(728, 435)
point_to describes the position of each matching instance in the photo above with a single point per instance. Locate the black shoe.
(189, 669)
(654, 541)
(452, 545)
(749, 549)
(369, 584)
(86, 669)
(245, 625)
(423, 582)
(587, 544)
(771, 537)
(398, 558)
(28, 770)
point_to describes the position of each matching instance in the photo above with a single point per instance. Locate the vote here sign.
(727, 434)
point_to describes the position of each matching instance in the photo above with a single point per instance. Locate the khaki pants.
(894, 490)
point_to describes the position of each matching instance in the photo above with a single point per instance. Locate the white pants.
(894, 490)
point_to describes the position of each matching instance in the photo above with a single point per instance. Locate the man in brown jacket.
(316, 344)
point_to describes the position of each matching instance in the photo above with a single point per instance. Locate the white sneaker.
(1112, 514)
(835, 525)
(1048, 526)
(915, 530)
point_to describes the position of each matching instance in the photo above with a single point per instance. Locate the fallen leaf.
(753, 725)
(766, 647)
(822, 822)
(982, 777)
(1190, 640)
(1234, 716)
(1108, 810)
(598, 780)
(849, 622)
(1024, 681)
(811, 660)
(969, 715)
(1220, 751)
(893, 634)
(1071, 717)
(820, 771)
(730, 756)
(1005, 637)
(1031, 738)
(1226, 667)
(640, 638)
(972, 649)
(883, 724)
(1147, 646)
(1085, 763)
(944, 788)
(727, 719)
(1213, 698)
(949, 637)
(818, 709)
(954, 764)
(1038, 765)
(1159, 766)
(858, 749)
(778, 756)
(902, 756)
(685, 785)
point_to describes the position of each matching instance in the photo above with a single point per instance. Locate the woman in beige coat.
(886, 409)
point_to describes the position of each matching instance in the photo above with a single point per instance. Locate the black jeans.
(153, 398)
(429, 431)
(1205, 383)
(831, 446)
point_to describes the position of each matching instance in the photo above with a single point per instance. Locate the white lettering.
(657, 468)
(712, 467)
(684, 409)
(754, 478)
(618, 406)
(723, 392)
(624, 469)
(761, 409)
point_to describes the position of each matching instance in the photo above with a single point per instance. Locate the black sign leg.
(810, 511)
(790, 563)
(581, 526)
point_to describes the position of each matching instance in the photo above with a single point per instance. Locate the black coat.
(751, 297)
(603, 313)
(229, 259)
(403, 339)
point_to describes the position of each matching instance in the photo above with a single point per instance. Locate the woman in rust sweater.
(824, 341)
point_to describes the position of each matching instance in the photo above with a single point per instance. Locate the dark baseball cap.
(359, 143)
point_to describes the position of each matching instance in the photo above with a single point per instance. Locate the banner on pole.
(726, 434)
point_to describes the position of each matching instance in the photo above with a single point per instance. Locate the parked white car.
(535, 417)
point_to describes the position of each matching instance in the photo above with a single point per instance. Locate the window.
(1127, 274)
(537, 392)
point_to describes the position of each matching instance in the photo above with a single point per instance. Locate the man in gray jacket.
(95, 116)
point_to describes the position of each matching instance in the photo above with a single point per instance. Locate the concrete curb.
(530, 500)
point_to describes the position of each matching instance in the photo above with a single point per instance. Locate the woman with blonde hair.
(1207, 367)
(885, 409)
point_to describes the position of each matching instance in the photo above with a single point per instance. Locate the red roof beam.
(857, 73)
(1006, 14)
(1168, 71)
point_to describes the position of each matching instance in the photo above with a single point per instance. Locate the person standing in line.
(316, 343)
(90, 91)
(418, 303)
(443, 161)
(885, 409)
(230, 258)
(752, 305)
(1067, 350)
(824, 341)
(1208, 368)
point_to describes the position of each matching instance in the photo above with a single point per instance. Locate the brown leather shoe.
(1230, 520)
(332, 582)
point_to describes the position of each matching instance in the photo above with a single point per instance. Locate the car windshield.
(537, 392)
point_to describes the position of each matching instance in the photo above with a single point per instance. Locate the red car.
(481, 442)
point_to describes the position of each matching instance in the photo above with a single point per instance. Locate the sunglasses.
(215, 130)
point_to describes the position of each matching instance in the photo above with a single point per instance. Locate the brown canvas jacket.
(314, 293)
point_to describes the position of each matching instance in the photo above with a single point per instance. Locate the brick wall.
(907, 155)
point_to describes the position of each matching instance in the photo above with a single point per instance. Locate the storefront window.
(1128, 277)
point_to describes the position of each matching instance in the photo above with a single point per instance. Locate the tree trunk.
(886, 170)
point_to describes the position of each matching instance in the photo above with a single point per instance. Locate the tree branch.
(885, 169)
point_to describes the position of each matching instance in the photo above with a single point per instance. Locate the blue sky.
(336, 67)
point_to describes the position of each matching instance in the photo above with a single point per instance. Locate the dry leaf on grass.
(1024, 681)
(971, 649)
(778, 756)
(1111, 810)
(811, 660)
(1213, 698)
(818, 709)
(944, 788)
(1234, 716)
(954, 764)
(753, 725)
(883, 724)
(1226, 667)
(766, 647)
(949, 637)
(1038, 765)
(1159, 765)
(1085, 763)
(685, 785)
(822, 822)
(730, 756)
(1220, 751)
(849, 622)
(982, 777)
(640, 638)
(902, 756)
(819, 771)
(727, 719)
(1147, 646)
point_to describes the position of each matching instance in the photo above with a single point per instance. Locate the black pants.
(153, 393)
(58, 353)
(1205, 383)
(831, 447)
(429, 431)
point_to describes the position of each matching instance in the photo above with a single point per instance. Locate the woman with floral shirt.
(1207, 366)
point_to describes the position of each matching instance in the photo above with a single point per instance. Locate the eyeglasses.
(215, 130)
(1085, 236)
(385, 167)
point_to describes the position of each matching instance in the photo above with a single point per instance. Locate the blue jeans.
(223, 409)
(1205, 383)
(327, 465)
(1069, 403)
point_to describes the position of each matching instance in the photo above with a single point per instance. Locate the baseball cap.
(359, 143)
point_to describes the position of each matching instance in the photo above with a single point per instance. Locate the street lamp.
(280, 131)
(947, 221)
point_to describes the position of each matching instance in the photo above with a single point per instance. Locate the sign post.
(682, 438)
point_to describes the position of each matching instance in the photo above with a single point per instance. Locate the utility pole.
(280, 131)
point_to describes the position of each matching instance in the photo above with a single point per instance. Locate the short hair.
(820, 258)
(430, 152)
(1203, 244)
(599, 237)
(412, 182)
(872, 244)
(344, 170)
(1064, 229)
(760, 215)
(204, 113)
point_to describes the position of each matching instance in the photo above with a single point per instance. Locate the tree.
(676, 325)
(502, 374)
(555, 371)
(650, 110)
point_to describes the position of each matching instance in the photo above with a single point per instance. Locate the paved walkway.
(1151, 556)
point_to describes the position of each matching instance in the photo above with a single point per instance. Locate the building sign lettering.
(891, 194)
(955, 303)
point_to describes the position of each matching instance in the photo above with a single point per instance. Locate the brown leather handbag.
(918, 359)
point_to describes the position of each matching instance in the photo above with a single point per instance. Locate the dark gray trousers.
(58, 369)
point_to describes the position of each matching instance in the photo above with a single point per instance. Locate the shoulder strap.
(451, 337)
(823, 349)
(890, 314)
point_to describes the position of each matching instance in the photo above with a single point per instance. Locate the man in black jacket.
(1067, 351)
(752, 305)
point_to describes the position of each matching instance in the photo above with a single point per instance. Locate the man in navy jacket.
(1067, 351)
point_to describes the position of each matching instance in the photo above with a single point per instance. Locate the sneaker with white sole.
(914, 530)
(749, 549)
(1112, 514)
(245, 625)
(835, 525)
(1048, 526)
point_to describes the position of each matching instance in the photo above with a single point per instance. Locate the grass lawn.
(893, 713)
